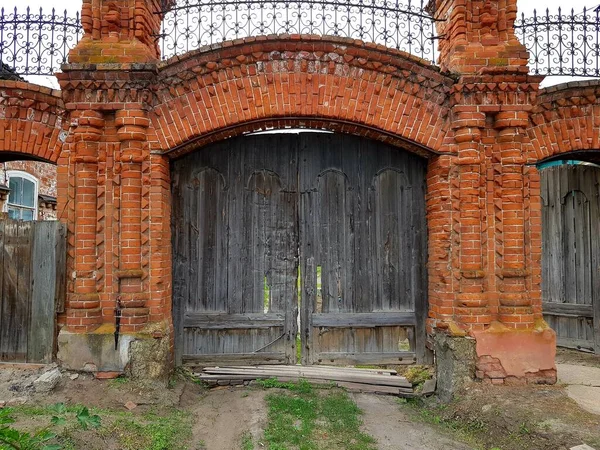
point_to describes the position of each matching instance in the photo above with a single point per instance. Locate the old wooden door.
(571, 254)
(363, 252)
(235, 252)
(351, 210)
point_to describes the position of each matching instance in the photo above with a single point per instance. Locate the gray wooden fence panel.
(571, 253)
(43, 289)
(32, 283)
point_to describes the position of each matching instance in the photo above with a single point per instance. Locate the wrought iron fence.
(35, 43)
(194, 23)
(562, 44)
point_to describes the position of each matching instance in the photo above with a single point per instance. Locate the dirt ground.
(481, 417)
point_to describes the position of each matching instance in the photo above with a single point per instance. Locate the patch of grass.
(309, 419)
(72, 426)
(417, 374)
(466, 429)
(152, 431)
(302, 386)
(117, 382)
(247, 442)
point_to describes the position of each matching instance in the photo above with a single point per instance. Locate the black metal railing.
(34, 43)
(191, 24)
(562, 44)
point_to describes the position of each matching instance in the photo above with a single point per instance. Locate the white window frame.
(21, 174)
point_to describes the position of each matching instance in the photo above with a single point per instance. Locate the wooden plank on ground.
(367, 378)
(234, 358)
(321, 368)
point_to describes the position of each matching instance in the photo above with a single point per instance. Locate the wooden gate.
(341, 216)
(32, 282)
(571, 254)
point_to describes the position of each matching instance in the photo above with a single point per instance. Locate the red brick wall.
(481, 122)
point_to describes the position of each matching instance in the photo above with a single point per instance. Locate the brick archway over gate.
(479, 119)
(32, 124)
(314, 82)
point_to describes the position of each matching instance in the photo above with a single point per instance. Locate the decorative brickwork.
(481, 122)
(32, 123)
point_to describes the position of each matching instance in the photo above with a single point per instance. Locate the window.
(22, 204)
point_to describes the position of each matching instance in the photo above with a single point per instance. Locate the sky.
(525, 6)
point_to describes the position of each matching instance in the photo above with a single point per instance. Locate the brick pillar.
(515, 304)
(84, 312)
(472, 306)
(133, 157)
(492, 197)
(119, 240)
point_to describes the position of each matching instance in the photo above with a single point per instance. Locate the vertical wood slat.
(571, 249)
(43, 287)
(60, 250)
(32, 284)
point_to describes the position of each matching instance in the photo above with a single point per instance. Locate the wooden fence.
(32, 283)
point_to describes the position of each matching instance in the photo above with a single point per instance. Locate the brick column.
(492, 194)
(119, 242)
(515, 305)
(472, 307)
(132, 129)
(83, 302)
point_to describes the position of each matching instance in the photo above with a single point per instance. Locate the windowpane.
(26, 214)
(14, 213)
(28, 198)
(16, 191)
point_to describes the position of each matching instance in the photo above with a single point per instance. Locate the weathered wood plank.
(571, 309)
(364, 320)
(43, 287)
(306, 372)
(225, 321)
(322, 369)
(366, 358)
(232, 358)
(22, 311)
(60, 251)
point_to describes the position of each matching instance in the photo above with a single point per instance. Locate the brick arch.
(565, 119)
(314, 82)
(32, 122)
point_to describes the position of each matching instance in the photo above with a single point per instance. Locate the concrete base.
(455, 363)
(144, 356)
(506, 355)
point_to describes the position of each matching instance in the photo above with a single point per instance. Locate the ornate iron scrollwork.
(191, 24)
(562, 44)
(35, 43)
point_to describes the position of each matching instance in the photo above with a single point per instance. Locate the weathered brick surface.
(481, 121)
(31, 120)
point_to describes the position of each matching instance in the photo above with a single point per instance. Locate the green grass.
(152, 431)
(74, 425)
(306, 418)
(247, 442)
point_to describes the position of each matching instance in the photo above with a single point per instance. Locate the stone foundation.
(144, 356)
(516, 356)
